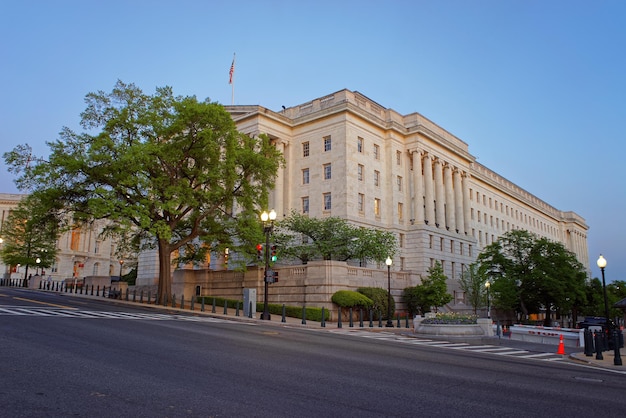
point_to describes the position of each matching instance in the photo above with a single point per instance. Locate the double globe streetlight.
(268, 225)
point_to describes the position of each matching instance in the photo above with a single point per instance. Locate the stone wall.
(311, 284)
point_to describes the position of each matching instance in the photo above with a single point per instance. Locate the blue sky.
(535, 87)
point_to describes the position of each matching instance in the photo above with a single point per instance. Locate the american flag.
(231, 72)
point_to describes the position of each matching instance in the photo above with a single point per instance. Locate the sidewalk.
(607, 361)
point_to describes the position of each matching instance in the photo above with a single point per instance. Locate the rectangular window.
(361, 203)
(305, 176)
(359, 144)
(398, 157)
(327, 172)
(376, 178)
(328, 201)
(399, 181)
(376, 152)
(327, 143)
(305, 149)
(377, 207)
(305, 204)
(401, 240)
(75, 240)
(400, 212)
(360, 172)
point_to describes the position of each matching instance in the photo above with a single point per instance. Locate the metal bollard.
(134, 294)
(191, 303)
(225, 307)
(398, 318)
(213, 308)
(617, 360)
(250, 311)
(361, 318)
(127, 294)
(588, 338)
(202, 306)
(339, 324)
(598, 342)
(406, 320)
(148, 297)
(284, 318)
(303, 315)
(371, 318)
(351, 323)
(324, 318)
(380, 320)
(237, 309)
(182, 302)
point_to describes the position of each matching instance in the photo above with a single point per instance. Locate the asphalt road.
(112, 360)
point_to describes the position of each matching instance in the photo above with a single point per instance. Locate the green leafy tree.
(172, 169)
(531, 274)
(332, 238)
(472, 283)
(29, 235)
(415, 300)
(435, 288)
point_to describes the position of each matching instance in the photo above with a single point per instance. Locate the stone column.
(279, 187)
(418, 188)
(429, 193)
(458, 202)
(450, 206)
(466, 203)
(440, 207)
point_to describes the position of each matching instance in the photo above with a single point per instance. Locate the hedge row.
(313, 314)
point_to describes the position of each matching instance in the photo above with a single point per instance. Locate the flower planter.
(449, 329)
(482, 328)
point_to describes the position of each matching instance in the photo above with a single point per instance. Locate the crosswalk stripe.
(67, 313)
(536, 355)
(508, 353)
(486, 349)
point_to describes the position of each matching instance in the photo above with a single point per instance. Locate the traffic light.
(275, 276)
(259, 251)
(273, 255)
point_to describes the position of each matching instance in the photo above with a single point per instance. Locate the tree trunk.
(165, 272)
(547, 322)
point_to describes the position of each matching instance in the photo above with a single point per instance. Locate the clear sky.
(537, 88)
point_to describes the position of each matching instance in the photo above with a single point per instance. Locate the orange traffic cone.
(561, 349)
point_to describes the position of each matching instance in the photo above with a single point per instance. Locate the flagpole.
(232, 81)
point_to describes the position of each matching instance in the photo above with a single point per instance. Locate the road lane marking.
(44, 303)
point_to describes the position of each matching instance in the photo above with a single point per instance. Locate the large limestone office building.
(348, 156)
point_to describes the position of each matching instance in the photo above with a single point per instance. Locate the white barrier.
(572, 337)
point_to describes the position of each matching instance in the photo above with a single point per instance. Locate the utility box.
(249, 303)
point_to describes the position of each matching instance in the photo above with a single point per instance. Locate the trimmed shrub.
(380, 298)
(351, 299)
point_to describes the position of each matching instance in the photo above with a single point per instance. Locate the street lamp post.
(388, 261)
(488, 286)
(121, 265)
(602, 264)
(38, 260)
(268, 225)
